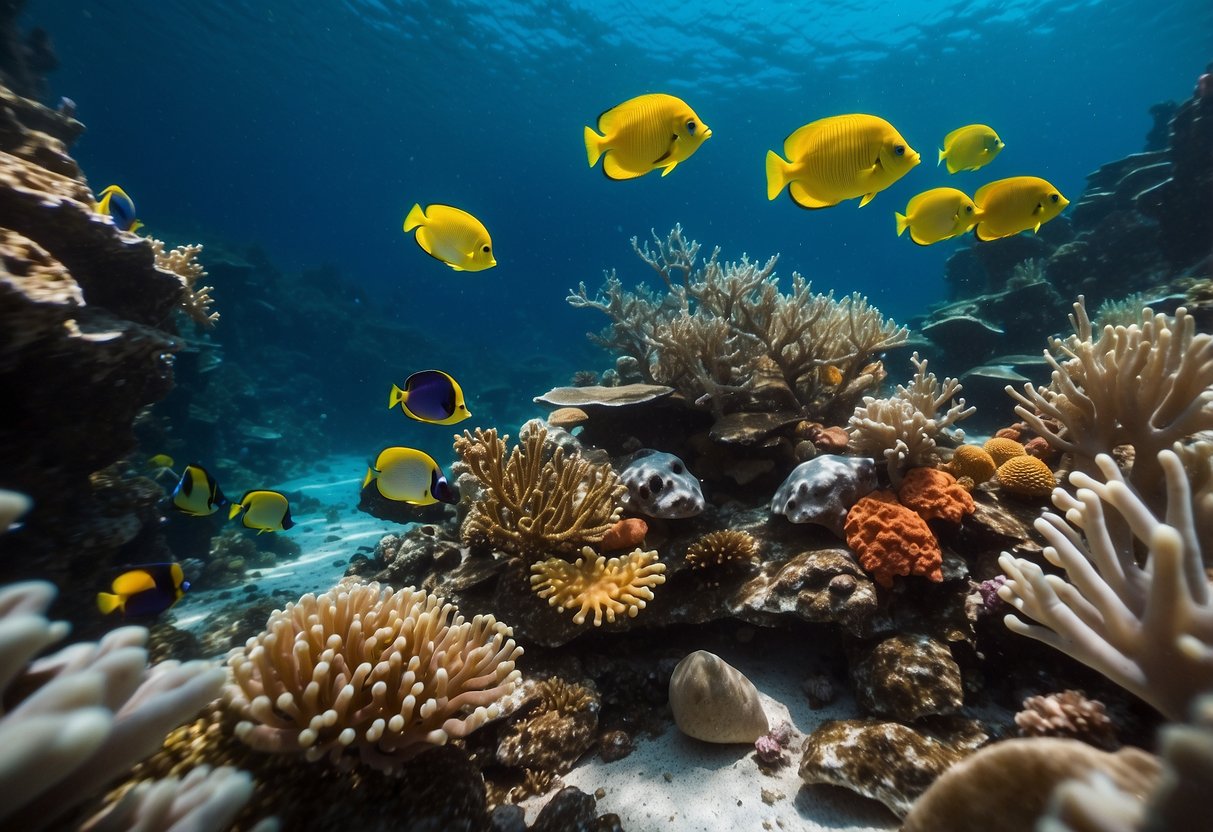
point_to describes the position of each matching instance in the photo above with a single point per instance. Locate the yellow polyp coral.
(593, 583)
(971, 461)
(723, 548)
(529, 505)
(182, 262)
(388, 674)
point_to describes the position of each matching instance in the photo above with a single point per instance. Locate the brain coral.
(934, 494)
(892, 540)
(595, 583)
(1027, 476)
(973, 462)
(1001, 449)
(390, 674)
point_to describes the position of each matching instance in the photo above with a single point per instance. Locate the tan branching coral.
(1147, 385)
(722, 549)
(387, 673)
(533, 503)
(723, 328)
(183, 262)
(593, 583)
(904, 428)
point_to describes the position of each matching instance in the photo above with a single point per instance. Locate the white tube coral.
(1147, 386)
(389, 674)
(79, 717)
(1147, 627)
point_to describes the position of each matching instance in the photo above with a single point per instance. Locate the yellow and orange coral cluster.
(531, 505)
(595, 584)
(891, 540)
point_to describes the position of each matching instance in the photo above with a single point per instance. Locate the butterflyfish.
(937, 214)
(119, 207)
(145, 590)
(970, 147)
(409, 476)
(838, 158)
(265, 511)
(453, 236)
(643, 134)
(1009, 206)
(197, 493)
(430, 396)
(160, 461)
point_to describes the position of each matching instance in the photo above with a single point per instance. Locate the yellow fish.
(643, 134)
(970, 147)
(937, 214)
(409, 476)
(161, 461)
(430, 396)
(1008, 206)
(118, 206)
(265, 511)
(453, 236)
(145, 590)
(837, 158)
(197, 493)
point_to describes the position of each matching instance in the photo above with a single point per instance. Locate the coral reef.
(973, 462)
(386, 674)
(891, 540)
(908, 677)
(659, 485)
(934, 495)
(628, 533)
(1145, 624)
(534, 502)
(205, 798)
(823, 489)
(714, 701)
(594, 584)
(905, 428)
(1026, 476)
(1067, 714)
(723, 549)
(553, 735)
(726, 338)
(1003, 448)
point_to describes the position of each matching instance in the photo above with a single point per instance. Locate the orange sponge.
(935, 494)
(892, 540)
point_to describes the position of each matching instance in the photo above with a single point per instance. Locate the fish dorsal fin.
(134, 581)
(955, 133)
(801, 136)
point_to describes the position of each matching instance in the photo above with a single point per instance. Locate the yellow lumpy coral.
(1027, 476)
(390, 674)
(973, 462)
(1001, 449)
(531, 505)
(726, 547)
(593, 583)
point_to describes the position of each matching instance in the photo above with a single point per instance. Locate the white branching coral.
(389, 674)
(204, 799)
(595, 584)
(182, 261)
(73, 719)
(905, 428)
(1148, 626)
(720, 323)
(1145, 385)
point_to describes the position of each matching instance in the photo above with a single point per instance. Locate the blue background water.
(311, 127)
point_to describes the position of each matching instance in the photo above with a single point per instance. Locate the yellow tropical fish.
(837, 158)
(197, 493)
(937, 214)
(160, 461)
(643, 134)
(1008, 206)
(119, 207)
(970, 147)
(145, 590)
(430, 396)
(453, 236)
(409, 476)
(265, 511)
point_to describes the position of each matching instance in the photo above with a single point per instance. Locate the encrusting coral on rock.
(594, 584)
(891, 540)
(389, 674)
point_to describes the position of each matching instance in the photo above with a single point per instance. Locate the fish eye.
(968, 209)
(900, 150)
(485, 249)
(1055, 197)
(691, 127)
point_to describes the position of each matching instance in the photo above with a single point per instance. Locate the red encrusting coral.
(935, 494)
(890, 540)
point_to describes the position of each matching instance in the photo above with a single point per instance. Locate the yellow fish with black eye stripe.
(453, 236)
(643, 134)
(263, 510)
(197, 493)
(408, 475)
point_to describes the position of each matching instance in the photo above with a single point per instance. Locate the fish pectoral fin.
(666, 170)
(1036, 228)
(669, 150)
(866, 199)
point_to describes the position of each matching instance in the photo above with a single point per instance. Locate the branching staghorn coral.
(709, 333)
(1144, 385)
(73, 719)
(182, 261)
(531, 504)
(388, 674)
(904, 427)
(1146, 626)
(593, 583)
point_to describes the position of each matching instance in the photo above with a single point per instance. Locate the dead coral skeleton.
(533, 503)
(182, 261)
(595, 584)
(708, 334)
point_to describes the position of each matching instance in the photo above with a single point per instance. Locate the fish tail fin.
(370, 475)
(415, 218)
(135, 226)
(777, 174)
(942, 155)
(396, 397)
(902, 223)
(108, 602)
(593, 145)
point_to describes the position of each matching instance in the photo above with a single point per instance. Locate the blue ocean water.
(311, 128)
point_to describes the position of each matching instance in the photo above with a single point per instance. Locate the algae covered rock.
(907, 677)
(714, 701)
